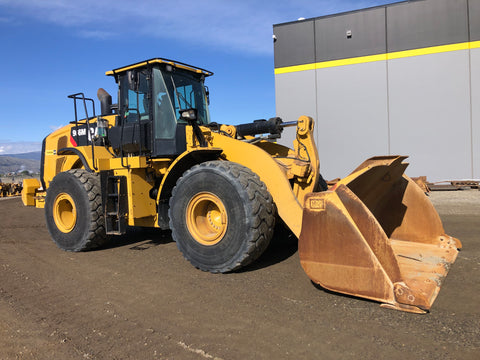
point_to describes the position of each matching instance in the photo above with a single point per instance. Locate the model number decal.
(83, 132)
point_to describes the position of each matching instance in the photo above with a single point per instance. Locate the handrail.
(81, 96)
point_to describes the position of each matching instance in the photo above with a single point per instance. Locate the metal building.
(397, 79)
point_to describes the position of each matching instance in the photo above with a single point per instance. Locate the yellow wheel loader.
(156, 160)
(7, 189)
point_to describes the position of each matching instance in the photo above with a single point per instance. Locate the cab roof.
(174, 63)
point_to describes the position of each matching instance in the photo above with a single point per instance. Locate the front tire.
(221, 215)
(73, 211)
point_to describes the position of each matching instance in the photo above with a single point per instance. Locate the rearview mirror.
(207, 93)
(132, 77)
(188, 115)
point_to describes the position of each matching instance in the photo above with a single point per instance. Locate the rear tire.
(73, 211)
(221, 215)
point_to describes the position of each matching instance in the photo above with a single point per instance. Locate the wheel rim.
(64, 212)
(206, 218)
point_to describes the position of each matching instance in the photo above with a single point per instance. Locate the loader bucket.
(376, 235)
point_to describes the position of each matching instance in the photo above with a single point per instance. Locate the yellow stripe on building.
(475, 45)
(295, 68)
(428, 50)
(380, 57)
(351, 61)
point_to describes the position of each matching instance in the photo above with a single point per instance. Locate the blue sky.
(53, 48)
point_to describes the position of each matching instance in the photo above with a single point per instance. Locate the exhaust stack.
(105, 101)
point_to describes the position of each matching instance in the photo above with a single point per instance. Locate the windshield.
(188, 93)
(175, 91)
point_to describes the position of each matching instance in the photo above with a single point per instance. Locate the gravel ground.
(460, 202)
(139, 299)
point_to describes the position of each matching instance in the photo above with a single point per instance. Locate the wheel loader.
(155, 159)
(10, 189)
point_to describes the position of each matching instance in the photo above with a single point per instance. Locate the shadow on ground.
(138, 238)
(282, 246)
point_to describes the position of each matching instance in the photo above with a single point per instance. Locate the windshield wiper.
(179, 94)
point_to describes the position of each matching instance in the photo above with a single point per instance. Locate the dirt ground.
(139, 299)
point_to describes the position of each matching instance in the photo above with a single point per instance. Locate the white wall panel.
(475, 78)
(352, 116)
(294, 97)
(429, 108)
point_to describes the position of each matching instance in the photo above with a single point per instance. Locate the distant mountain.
(15, 163)
(34, 155)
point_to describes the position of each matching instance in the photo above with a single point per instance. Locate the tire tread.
(96, 232)
(262, 218)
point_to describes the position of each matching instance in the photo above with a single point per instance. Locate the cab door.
(169, 134)
(132, 135)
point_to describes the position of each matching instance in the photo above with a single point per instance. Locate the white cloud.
(19, 147)
(244, 26)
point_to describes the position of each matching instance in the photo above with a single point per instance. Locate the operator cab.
(152, 95)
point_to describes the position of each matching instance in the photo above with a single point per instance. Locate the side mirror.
(132, 77)
(207, 93)
(189, 115)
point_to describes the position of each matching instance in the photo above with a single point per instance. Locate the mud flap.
(377, 236)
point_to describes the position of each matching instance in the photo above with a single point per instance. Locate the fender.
(181, 164)
(74, 151)
(260, 162)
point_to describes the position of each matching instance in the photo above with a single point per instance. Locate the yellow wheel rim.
(64, 212)
(206, 218)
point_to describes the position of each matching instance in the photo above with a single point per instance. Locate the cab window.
(135, 97)
(165, 119)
